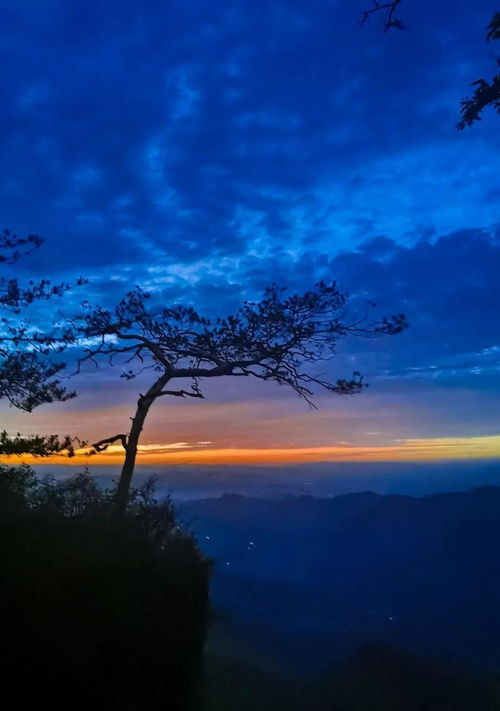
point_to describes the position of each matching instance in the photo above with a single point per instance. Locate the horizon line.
(417, 450)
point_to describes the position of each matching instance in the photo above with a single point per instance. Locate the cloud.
(182, 135)
(431, 449)
(204, 150)
(448, 289)
(155, 449)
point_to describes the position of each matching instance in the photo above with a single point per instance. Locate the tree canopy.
(270, 339)
(37, 445)
(29, 362)
(485, 93)
(28, 369)
(280, 339)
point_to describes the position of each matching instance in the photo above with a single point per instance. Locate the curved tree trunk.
(143, 404)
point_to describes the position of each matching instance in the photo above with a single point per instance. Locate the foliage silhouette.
(280, 339)
(80, 496)
(486, 94)
(38, 445)
(28, 371)
(97, 613)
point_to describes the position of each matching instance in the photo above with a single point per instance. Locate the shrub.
(94, 612)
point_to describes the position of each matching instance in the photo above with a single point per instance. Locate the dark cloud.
(449, 290)
(183, 130)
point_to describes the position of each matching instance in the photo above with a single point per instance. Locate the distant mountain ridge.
(421, 573)
(362, 498)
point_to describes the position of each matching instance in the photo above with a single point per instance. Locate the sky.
(206, 150)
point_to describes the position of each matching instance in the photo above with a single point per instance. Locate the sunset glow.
(182, 453)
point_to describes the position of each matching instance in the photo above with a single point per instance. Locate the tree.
(27, 374)
(37, 445)
(280, 338)
(486, 94)
(28, 371)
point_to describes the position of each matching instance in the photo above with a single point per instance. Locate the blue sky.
(204, 150)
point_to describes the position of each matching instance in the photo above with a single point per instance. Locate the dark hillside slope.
(309, 580)
(93, 616)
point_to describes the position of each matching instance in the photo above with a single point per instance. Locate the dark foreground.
(96, 614)
(303, 583)
(375, 678)
(357, 603)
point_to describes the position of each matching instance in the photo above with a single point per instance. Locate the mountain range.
(303, 582)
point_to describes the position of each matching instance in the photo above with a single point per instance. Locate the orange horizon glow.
(431, 449)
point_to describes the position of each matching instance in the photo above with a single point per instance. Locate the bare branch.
(103, 444)
(389, 9)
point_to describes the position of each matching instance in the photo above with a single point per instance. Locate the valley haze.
(319, 479)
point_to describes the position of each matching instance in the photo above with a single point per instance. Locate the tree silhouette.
(37, 445)
(13, 247)
(486, 94)
(280, 338)
(28, 371)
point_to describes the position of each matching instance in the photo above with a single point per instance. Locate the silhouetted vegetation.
(29, 362)
(27, 368)
(278, 339)
(97, 614)
(486, 94)
(38, 445)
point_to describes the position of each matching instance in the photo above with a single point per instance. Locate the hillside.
(303, 582)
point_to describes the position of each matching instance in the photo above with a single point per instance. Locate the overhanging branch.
(180, 393)
(103, 444)
(390, 9)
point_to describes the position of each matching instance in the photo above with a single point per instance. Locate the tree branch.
(391, 20)
(103, 444)
(180, 393)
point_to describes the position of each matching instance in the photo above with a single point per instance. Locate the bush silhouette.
(96, 612)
